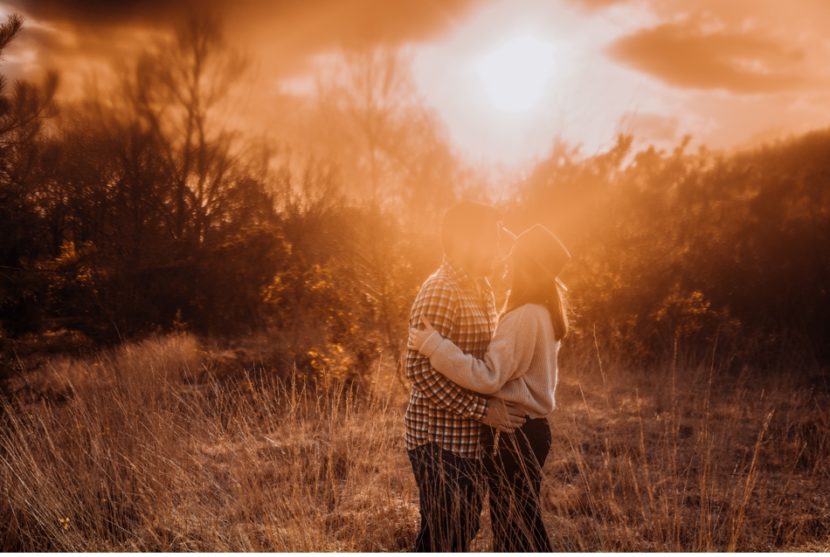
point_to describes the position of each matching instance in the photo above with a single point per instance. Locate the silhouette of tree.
(24, 228)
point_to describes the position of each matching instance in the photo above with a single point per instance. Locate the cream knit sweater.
(520, 364)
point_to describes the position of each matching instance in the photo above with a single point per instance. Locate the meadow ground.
(174, 444)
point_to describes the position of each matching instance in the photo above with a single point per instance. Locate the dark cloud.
(97, 12)
(284, 32)
(687, 55)
(345, 22)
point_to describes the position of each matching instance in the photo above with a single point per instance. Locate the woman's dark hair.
(531, 285)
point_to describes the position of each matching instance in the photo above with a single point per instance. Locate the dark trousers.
(450, 491)
(514, 477)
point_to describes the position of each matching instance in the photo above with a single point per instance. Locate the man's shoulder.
(439, 282)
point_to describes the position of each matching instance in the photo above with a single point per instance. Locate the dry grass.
(158, 446)
(689, 461)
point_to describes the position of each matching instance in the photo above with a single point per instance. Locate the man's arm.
(438, 303)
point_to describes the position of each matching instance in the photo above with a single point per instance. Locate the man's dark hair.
(467, 219)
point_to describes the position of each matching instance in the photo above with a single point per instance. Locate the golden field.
(174, 443)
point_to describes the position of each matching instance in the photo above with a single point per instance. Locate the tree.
(24, 230)
(171, 218)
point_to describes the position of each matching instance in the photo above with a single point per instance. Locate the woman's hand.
(417, 337)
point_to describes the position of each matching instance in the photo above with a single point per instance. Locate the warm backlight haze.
(219, 220)
(507, 79)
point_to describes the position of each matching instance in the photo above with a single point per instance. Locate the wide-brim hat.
(544, 248)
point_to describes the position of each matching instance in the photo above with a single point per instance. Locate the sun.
(515, 74)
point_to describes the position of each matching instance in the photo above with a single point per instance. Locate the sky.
(507, 78)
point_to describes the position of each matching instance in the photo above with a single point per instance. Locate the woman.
(521, 367)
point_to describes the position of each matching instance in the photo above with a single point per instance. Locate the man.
(443, 419)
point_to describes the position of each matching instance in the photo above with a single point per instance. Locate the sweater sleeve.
(508, 355)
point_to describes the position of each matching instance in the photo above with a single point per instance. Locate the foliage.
(141, 210)
(696, 248)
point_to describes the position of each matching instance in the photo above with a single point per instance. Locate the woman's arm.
(508, 355)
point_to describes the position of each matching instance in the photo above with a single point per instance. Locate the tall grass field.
(169, 445)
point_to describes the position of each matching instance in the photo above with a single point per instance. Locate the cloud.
(690, 54)
(97, 12)
(309, 24)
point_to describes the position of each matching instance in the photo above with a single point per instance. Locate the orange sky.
(728, 72)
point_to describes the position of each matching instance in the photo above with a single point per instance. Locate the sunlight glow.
(515, 74)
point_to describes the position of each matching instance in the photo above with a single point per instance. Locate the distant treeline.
(690, 250)
(135, 213)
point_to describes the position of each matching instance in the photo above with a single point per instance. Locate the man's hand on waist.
(502, 415)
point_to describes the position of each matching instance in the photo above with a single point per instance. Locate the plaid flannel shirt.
(464, 311)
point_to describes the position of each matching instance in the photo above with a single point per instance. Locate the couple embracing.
(483, 384)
